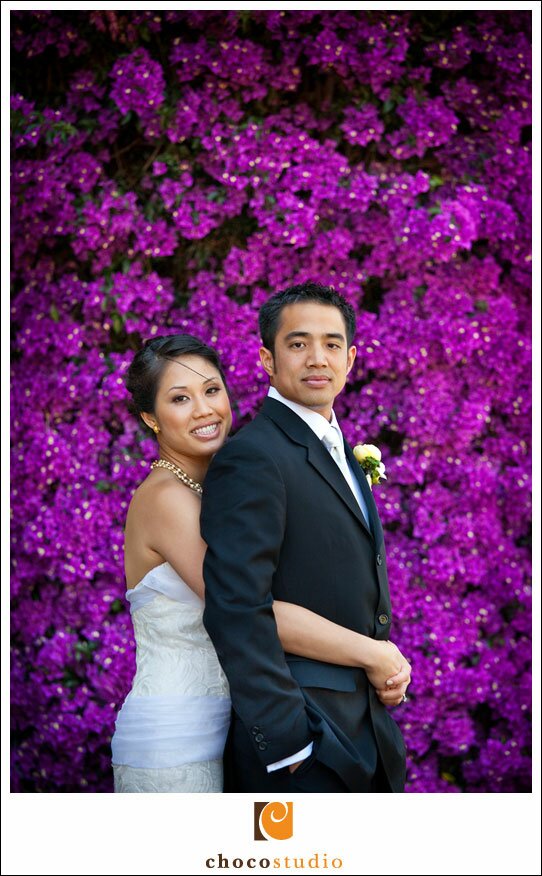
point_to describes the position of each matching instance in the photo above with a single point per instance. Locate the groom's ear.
(351, 355)
(267, 360)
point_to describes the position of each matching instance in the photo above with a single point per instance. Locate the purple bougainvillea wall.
(172, 169)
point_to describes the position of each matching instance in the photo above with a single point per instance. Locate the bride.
(171, 730)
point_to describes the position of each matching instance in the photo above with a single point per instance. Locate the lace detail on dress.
(196, 778)
(174, 653)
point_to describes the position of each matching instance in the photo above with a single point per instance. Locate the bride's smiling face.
(192, 408)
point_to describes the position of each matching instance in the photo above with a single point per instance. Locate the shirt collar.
(313, 419)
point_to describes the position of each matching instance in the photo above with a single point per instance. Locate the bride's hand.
(387, 667)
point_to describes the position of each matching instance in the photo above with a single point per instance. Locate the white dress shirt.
(319, 426)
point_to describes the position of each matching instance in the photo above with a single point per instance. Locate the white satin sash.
(167, 731)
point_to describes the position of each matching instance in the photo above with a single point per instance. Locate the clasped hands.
(389, 673)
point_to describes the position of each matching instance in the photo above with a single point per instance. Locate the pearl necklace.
(179, 473)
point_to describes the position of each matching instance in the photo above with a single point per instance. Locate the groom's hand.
(393, 696)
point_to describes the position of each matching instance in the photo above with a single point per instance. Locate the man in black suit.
(287, 514)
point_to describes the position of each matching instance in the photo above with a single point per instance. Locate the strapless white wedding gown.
(170, 732)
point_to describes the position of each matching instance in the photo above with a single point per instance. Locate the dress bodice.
(174, 653)
(177, 712)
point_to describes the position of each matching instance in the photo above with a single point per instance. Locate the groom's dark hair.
(269, 317)
(149, 363)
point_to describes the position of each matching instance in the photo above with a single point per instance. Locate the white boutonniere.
(370, 459)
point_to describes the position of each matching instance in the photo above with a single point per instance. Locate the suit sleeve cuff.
(294, 758)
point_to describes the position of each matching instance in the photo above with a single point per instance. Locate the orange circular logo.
(275, 820)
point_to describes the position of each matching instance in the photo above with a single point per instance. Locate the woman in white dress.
(172, 727)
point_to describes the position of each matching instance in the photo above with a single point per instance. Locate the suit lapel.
(325, 465)
(359, 474)
(317, 455)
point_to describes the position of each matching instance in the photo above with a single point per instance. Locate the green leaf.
(388, 106)
(54, 313)
(61, 129)
(84, 649)
(448, 778)
(481, 305)
(244, 20)
(103, 486)
(117, 322)
(435, 210)
(17, 118)
(436, 181)
(116, 606)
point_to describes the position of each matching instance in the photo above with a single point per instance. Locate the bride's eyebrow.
(207, 380)
(187, 366)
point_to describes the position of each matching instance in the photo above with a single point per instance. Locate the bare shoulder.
(163, 515)
(161, 495)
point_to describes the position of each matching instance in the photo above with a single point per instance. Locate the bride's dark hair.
(144, 374)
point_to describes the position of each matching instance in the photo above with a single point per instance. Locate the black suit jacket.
(281, 522)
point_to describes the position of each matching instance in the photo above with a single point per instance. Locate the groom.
(287, 514)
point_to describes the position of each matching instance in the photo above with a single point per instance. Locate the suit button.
(259, 737)
(255, 730)
(262, 746)
(383, 619)
(379, 560)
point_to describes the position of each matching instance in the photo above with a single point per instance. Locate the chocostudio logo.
(273, 821)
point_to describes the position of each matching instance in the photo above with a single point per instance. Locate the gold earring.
(156, 429)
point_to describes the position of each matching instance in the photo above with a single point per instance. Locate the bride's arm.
(307, 634)
(172, 532)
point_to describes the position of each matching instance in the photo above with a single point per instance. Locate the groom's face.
(311, 358)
